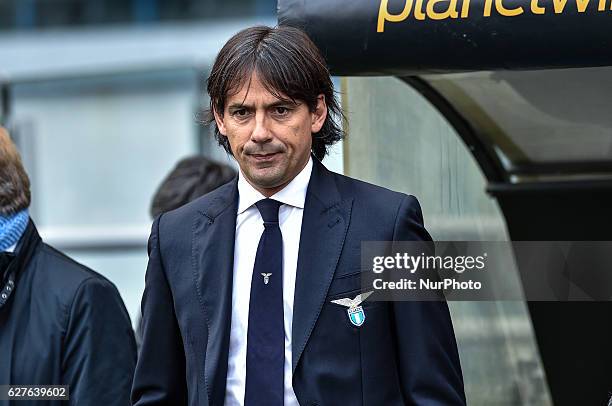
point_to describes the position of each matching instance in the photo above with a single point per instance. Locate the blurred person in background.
(60, 322)
(191, 178)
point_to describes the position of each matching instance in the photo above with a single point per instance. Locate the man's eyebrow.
(267, 106)
(282, 102)
(238, 106)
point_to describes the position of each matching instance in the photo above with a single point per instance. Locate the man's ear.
(319, 115)
(220, 123)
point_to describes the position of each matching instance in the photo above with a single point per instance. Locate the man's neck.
(267, 192)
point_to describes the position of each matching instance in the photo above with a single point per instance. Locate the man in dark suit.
(242, 287)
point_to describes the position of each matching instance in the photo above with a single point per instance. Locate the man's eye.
(240, 113)
(281, 111)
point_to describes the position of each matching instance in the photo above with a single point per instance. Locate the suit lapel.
(324, 226)
(213, 261)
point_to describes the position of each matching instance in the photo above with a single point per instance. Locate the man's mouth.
(264, 157)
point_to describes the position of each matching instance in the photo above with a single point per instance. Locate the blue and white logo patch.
(356, 315)
(355, 312)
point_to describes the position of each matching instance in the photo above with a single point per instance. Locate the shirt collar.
(294, 194)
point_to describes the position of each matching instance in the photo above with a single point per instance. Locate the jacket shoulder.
(62, 285)
(374, 196)
(66, 269)
(398, 213)
(63, 276)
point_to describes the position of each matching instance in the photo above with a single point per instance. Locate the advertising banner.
(400, 37)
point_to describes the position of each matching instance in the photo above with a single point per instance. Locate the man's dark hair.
(191, 178)
(288, 64)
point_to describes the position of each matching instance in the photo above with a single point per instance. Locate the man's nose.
(261, 133)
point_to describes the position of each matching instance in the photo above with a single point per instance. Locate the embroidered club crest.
(355, 312)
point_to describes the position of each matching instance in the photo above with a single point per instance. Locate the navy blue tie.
(266, 334)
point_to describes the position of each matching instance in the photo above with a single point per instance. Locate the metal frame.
(486, 156)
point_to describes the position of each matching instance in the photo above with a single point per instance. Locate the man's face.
(270, 138)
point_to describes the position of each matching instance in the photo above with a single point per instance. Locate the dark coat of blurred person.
(60, 322)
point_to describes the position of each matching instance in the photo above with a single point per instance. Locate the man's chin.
(267, 178)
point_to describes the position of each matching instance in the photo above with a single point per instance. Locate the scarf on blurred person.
(12, 228)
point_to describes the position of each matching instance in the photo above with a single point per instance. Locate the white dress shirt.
(249, 228)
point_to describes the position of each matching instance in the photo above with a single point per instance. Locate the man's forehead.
(252, 92)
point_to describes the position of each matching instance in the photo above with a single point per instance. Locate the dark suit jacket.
(405, 353)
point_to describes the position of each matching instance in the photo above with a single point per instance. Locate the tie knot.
(268, 209)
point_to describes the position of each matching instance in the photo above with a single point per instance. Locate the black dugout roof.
(400, 37)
